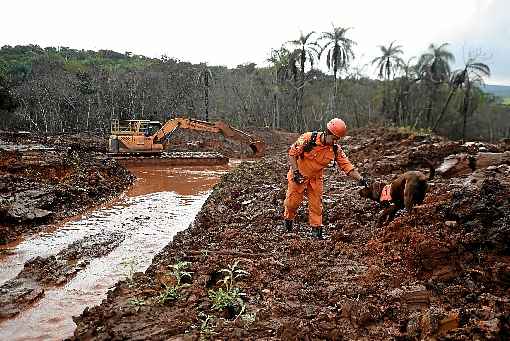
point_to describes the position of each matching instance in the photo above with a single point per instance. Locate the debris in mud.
(461, 164)
(39, 273)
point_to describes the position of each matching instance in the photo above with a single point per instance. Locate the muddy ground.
(41, 273)
(44, 179)
(440, 272)
(189, 140)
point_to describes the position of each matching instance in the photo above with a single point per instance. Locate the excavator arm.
(258, 147)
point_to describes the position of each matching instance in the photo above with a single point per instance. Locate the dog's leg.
(380, 220)
(409, 189)
(392, 213)
(384, 215)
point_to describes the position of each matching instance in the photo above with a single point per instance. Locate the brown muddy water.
(162, 202)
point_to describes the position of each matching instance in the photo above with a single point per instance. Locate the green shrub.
(229, 296)
(173, 292)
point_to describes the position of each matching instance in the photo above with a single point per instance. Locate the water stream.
(162, 202)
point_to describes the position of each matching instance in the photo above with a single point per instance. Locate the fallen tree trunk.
(460, 164)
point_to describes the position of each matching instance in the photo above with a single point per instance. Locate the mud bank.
(440, 272)
(44, 272)
(42, 184)
(51, 276)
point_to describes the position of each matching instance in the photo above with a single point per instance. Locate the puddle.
(162, 202)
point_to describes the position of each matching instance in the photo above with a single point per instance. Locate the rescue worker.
(308, 156)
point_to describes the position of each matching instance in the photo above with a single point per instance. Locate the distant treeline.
(67, 90)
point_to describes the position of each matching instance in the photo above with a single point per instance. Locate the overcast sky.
(230, 33)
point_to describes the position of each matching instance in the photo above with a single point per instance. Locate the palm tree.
(280, 60)
(307, 50)
(339, 53)
(434, 66)
(473, 72)
(387, 64)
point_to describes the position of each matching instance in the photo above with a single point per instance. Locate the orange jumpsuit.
(311, 167)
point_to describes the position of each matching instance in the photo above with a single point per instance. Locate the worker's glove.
(298, 177)
(363, 182)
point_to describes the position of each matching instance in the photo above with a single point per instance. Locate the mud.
(40, 273)
(42, 184)
(56, 274)
(439, 272)
(188, 140)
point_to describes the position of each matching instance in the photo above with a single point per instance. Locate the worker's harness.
(312, 143)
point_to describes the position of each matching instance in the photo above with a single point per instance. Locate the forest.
(66, 90)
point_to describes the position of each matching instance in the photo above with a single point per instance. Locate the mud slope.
(442, 271)
(41, 184)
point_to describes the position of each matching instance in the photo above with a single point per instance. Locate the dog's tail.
(430, 164)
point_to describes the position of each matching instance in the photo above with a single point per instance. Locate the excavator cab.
(134, 136)
(152, 128)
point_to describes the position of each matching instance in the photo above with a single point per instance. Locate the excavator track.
(174, 158)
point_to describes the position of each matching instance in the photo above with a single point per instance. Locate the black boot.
(288, 225)
(317, 232)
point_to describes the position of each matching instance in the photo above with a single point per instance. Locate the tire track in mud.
(143, 224)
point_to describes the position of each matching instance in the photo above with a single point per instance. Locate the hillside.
(502, 91)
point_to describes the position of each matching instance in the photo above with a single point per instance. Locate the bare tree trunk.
(206, 95)
(465, 109)
(88, 115)
(445, 107)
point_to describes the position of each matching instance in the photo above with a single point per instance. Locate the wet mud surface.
(51, 276)
(42, 184)
(42, 272)
(439, 272)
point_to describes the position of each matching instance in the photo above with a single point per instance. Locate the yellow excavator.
(151, 137)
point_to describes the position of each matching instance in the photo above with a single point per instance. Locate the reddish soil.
(44, 183)
(439, 272)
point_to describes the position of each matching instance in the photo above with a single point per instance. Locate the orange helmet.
(337, 127)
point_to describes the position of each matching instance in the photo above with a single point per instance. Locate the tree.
(473, 72)
(307, 50)
(339, 53)
(280, 60)
(388, 63)
(205, 76)
(434, 66)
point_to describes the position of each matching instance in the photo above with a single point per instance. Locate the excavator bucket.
(258, 148)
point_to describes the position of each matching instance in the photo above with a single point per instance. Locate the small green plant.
(229, 296)
(170, 293)
(179, 271)
(232, 273)
(137, 302)
(206, 326)
(173, 292)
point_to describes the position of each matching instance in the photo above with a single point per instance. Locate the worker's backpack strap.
(310, 144)
(335, 150)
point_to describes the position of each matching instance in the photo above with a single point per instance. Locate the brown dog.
(405, 191)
